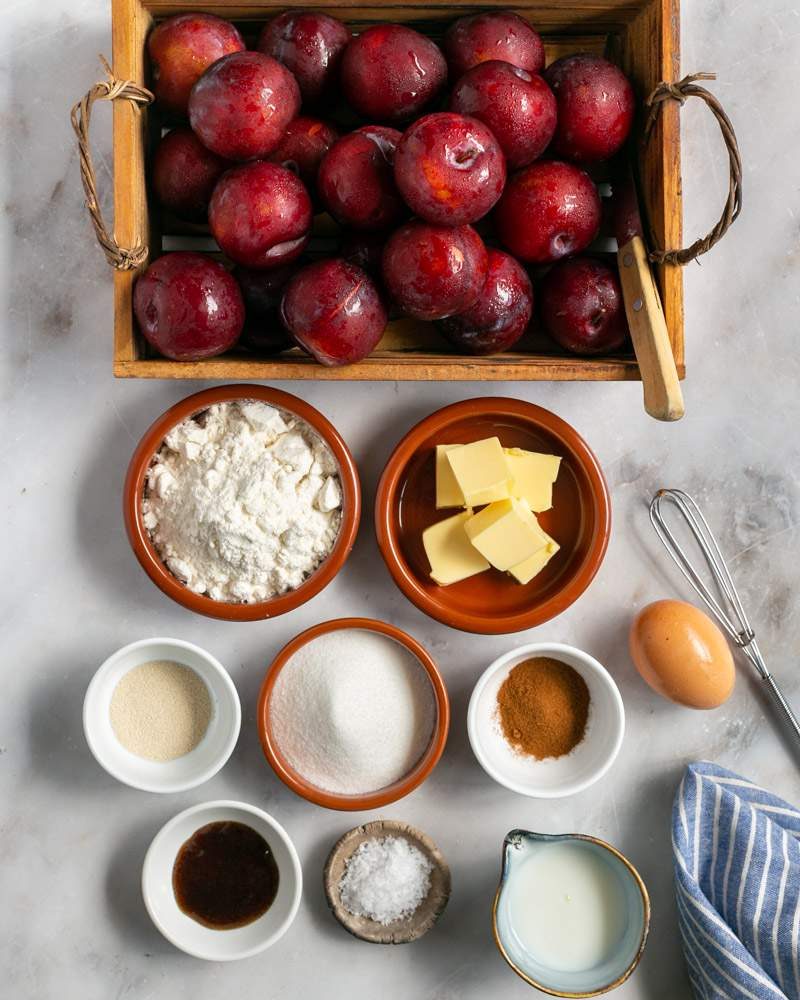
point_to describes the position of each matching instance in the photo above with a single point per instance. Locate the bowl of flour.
(353, 714)
(242, 502)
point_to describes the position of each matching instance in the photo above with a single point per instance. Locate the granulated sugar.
(160, 710)
(385, 879)
(352, 711)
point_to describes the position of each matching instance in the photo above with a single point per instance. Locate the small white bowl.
(182, 773)
(186, 933)
(555, 777)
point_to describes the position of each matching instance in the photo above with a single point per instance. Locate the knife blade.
(663, 398)
(625, 216)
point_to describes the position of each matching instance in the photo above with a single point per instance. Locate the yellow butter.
(481, 471)
(448, 492)
(532, 477)
(450, 552)
(525, 571)
(506, 533)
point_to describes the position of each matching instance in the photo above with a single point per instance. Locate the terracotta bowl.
(492, 603)
(139, 537)
(383, 796)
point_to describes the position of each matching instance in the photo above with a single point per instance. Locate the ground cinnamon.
(543, 706)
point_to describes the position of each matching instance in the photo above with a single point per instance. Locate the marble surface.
(72, 924)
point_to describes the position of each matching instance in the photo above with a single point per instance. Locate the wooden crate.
(642, 35)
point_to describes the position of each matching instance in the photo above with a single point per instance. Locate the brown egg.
(682, 654)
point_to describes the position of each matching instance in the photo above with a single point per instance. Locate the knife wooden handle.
(663, 398)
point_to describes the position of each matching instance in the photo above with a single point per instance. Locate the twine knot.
(680, 92)
(111, 89)
(676, 91)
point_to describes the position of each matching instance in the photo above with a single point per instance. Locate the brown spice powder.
(543, 706)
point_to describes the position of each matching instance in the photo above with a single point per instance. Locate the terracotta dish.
(145, 552)
(383, 796)
(401, 931)
(493, 603)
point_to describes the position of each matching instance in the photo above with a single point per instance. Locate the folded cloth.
(737, 877)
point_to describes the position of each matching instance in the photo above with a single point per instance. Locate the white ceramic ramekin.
(555, 777)
(184, 772)
(191, 936)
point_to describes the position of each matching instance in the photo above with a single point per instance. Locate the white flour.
(243, 503)
(352, 711)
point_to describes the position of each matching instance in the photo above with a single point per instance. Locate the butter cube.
(525, 571)
(506, 533)
(481, 471)
(450, 552)
(532, 477)
(448, 492)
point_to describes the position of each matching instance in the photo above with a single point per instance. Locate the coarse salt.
(385, 879)
(244, 502)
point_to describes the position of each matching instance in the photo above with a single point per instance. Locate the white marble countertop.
(72, 923)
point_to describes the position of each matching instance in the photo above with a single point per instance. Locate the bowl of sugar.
(161, 715)
(353, 714)
(571, 914)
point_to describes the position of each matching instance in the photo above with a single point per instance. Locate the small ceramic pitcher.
(617, 966)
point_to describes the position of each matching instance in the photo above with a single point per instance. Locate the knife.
(663, 398)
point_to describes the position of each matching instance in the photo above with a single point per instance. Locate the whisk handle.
(783, 705)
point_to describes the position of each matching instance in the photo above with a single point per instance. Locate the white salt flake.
(385, 879)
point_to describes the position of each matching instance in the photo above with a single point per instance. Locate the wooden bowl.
(401, 931)
(145, 551)
(383, 796)
(493, 603)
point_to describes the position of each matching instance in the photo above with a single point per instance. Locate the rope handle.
(111, 89)
(685, 88)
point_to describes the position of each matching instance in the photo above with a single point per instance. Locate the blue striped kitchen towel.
(737, 875)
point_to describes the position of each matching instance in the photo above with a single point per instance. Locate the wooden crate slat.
(129, 25)
(388, 368)
(652, 54)
(567, 16)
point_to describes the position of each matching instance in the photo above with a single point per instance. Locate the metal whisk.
(726, 607)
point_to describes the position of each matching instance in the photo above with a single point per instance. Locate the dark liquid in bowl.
(225, 876)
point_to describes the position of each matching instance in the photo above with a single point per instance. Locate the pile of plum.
(417, 192)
